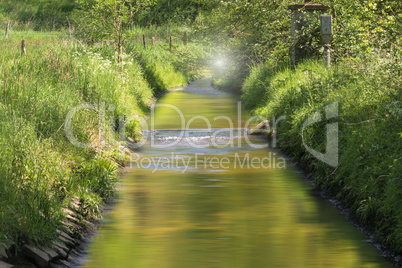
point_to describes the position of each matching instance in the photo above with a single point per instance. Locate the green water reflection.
(223, 215)
(201, 103)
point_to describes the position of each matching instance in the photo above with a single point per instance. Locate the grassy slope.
(165, 68)
(36, 14)
(368, 90)
(41, 170)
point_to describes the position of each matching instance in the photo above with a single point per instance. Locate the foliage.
(171, 12)
(367, 179)
(160, 73)
(165, 68)
(39, 165)
(39, 14)
(250, 32)
(366, 53)
(42, 171)
(252, 38)
(102, 20)
(30, 210)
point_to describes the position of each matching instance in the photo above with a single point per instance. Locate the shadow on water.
(220, 201)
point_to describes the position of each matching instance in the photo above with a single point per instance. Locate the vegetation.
(364, 80)
(38, 14)
(106, 20)
(367, 178)
(366, 49)
(172, 70)
(46, 169)
(253, 32)
(42, 171)
(168, 12)
(251, 39)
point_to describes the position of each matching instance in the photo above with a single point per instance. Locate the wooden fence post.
(22, 47)
(171, 43)
(143, 39)
(7, 28)
(185, 38)
(153, 41)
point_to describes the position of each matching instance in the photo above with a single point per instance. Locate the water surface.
(217, 201)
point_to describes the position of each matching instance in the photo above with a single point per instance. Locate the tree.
(102, 20)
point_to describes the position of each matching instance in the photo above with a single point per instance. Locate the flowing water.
(210, 196)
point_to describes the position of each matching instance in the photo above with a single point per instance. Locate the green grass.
(165, 68)
(160, 71)
(36, 14)
(369, 92)
(41, 170)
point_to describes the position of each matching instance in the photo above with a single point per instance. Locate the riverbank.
(60, 141)
(362, 100)
(240, 208)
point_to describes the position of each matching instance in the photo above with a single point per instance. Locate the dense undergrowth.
(42, 171)
(368, 91)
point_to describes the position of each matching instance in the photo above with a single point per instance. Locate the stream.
(203, 193)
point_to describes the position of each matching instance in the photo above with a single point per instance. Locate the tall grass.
(40, 169)
(369, 91)
(160, 71)
(36, 14)
(167, 68)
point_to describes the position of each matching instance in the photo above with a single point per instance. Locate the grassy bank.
(368, 91)
(167, 68)
(42, 170)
